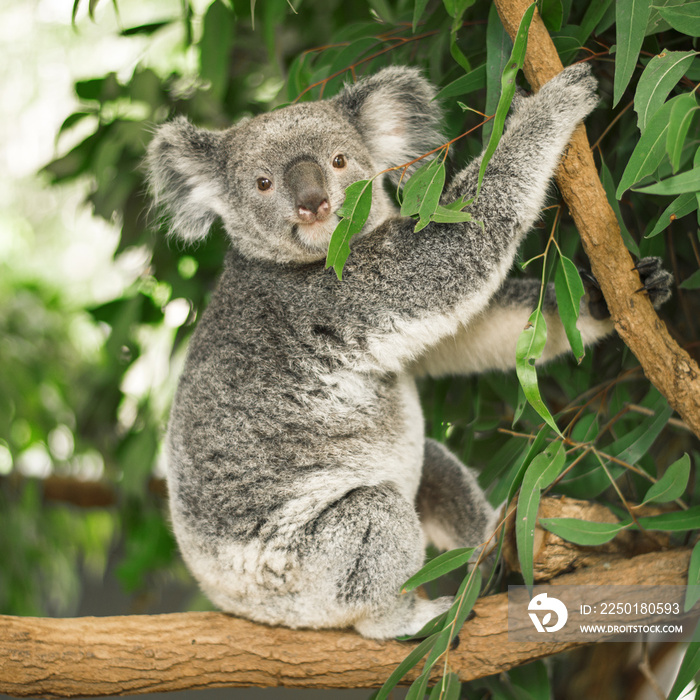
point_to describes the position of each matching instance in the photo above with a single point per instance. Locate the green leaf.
(215, 46)
(594, 13)
(415, 189)
(677, 521)
(690, 667)
(692, 593)
(464, 602)
(683, 205)
(569, 290)
(631, 23)
(508, 86)
(633, 445)
(447, 688)
(688, 181)
(672, 484)
(609, 186)
(431, 197)
(683, 16)
(650, 149)
(441, 565)
(418, 10)
(419, 687)
(405, 666)
(355, 211)
(552, 13)
(582, 532)
(445, 215)
(498, 49)
(658, 79)
(532, 679)
(471, 82)
(679, 123)
(541, 473)
(693, 282)
(529, 348)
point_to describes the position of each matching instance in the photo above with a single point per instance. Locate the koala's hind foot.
(453, 509)
(360, 551)
(656, 282)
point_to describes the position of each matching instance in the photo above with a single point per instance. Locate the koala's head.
(277, 180)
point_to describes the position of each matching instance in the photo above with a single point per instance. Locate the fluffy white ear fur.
(395, 113)
(185, 175)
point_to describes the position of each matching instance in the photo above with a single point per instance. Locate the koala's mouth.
(315, 236)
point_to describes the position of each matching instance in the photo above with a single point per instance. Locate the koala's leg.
(489, 341)
(368, 544)
(453, 509)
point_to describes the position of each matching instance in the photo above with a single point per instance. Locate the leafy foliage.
(606, 432)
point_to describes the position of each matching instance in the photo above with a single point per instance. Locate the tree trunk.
(672, 371)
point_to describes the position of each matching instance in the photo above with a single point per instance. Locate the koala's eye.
(339, 161)
(264, 184)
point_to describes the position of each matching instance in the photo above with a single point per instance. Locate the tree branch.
(672, 371)
(89, 656)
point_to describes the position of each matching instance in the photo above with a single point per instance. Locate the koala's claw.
(656, 281)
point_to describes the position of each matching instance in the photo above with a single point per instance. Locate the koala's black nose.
(308, 186)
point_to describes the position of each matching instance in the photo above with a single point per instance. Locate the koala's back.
(272, 421)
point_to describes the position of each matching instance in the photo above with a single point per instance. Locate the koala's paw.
(573, 91)
(656, 281)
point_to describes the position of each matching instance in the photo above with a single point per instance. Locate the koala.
(302, 488)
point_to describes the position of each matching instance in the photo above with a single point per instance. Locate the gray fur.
(295, 442)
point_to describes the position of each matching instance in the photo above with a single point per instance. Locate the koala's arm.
(488, 342)
(416, 288)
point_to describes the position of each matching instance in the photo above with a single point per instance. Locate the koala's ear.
(186, 172)
(395, 113)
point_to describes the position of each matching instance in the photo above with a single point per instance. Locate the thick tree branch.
(139, 654)
(672, 371)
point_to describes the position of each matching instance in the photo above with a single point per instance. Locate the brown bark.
(139, 654)
(554, 556)
(672, 371)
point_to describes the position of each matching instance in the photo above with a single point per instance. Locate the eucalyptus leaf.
(439, 566)
(693, 282)
(447, 688)
(631, 23)
(692, 593)
(681, 206)
(688, 181)
(541, 473)
(679, 124)
(508, 86)
(672, 484)
(471, 82)
(355, 211)
(416, 654)
(415, 189)
(569, 290)
(552, 13)
(660, 76)
(582, 532)
(683, 16)
(676, 521)
(606, 179)
(690, 667)
(529, 348)
(650, 149)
